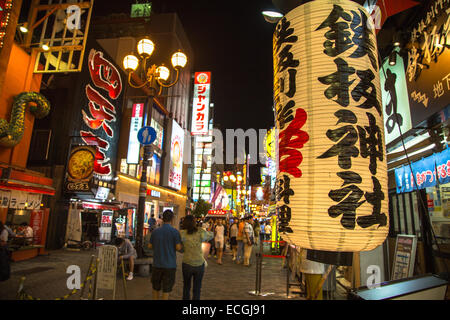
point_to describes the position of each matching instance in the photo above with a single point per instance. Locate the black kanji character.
(361, 90)
(352, 194)
(284, 216)
(374, 199)
(361, 38)
(338, 37)
(347, 136)
(339, 83)
(371, 145)
(391, 107)
(284, 189)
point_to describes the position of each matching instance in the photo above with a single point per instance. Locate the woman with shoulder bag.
(194, 263)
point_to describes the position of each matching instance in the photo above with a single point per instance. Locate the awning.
(99, 206)
(25, 180)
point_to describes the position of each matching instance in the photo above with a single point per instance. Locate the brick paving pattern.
(46, 279)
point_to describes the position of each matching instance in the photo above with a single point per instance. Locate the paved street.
(46, 279)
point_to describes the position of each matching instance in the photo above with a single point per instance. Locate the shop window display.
(438, 202)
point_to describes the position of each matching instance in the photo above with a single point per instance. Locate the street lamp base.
(260, 294)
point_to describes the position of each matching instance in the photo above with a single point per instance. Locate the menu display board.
(404, 257)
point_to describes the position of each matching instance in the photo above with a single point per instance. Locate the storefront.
(23, 196)
(157, 201)
(416, 96)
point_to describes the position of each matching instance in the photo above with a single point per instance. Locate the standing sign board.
(107, 269)
(404, 257)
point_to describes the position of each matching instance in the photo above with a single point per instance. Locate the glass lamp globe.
(179, 60)
(225, 178)
(233, 178)
(130, 62)
(239, 178)
(163, 72)
(145, 47)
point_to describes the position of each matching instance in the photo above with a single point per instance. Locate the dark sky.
(233, 41)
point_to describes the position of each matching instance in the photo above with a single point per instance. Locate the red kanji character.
(100, 157)
(99, 115)
(200, 117)
(201, 89)
(104, 74)
(292, 139)
(202, 107)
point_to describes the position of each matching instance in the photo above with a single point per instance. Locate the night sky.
(233, 41)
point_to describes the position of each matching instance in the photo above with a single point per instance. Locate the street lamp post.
(151, 77)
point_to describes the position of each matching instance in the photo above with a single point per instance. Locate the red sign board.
(37, 217)
(217, 212)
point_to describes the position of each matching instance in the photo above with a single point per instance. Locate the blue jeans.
(196, 273)
(240, 251)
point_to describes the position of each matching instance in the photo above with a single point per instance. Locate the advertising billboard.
(200, 112)
(176, 156)
(135, 126)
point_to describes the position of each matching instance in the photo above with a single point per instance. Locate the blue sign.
(443, 166)
(147, 135)
(425, 173)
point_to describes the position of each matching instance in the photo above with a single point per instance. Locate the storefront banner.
(34, 201)
(443, 166)
(425, 174)
(37, 217)
(394, 94)
(176, 156)
(18, 200)
(73, 230)
(135, 126)
(428, 69)
(4, 199)
(159, 134)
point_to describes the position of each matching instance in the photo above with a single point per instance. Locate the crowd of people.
(198, 240)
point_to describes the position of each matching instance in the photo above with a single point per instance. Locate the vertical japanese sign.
(200, 112)
(176, 156)
(332, 175)
(100, 100)
(135, 126)
(107, 268)
(395, 99)
(37, 217)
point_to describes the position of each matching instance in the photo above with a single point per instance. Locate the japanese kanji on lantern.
(332, 177)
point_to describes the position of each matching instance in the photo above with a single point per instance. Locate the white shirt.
(310, 267)
(268, 229)
(219, 233)
(4, 235)
(28, 232)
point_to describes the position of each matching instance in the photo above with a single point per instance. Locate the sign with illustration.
(176, 156)
(80, 169)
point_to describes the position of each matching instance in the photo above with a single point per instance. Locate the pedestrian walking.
(268, 230)
(164, 241)
(5, 269)
(249, 241)
(262, 233)
(233, 237)
(194, 263)
(126, 251)
(219, 239)
(240, 242)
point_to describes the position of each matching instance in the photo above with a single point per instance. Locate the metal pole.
(143, 188)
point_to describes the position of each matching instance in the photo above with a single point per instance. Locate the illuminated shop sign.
(176, 156)
(135, 126)
(394, 93)
(159, 134)
(200, 113)
(154, 193)
(428, 69)
(99, 97)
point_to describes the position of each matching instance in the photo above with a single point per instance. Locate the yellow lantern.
(332, 176)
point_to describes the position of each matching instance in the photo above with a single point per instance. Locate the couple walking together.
(165, 241)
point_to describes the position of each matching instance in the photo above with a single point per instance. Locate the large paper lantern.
(332, 176)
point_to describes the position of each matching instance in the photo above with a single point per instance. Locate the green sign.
(141, 10)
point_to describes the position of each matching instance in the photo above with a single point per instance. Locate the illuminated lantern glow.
(145, 47)
(332, 177)
(130, 62)
(179, 60)
(163, 73)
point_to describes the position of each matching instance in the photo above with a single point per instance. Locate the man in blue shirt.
(164, 241)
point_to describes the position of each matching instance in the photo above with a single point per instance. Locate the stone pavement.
(46, 279)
